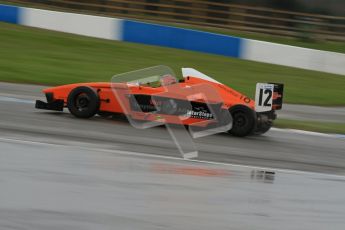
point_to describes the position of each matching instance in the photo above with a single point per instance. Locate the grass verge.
(323, 127)
(45, 57)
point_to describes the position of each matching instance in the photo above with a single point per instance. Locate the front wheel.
(83, 102)
(244, 120)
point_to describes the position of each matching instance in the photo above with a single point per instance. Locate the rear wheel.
(263, 128)
(243, 121)
(264, 122)
(83, 102)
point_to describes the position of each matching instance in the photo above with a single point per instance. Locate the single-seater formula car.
(149, 95)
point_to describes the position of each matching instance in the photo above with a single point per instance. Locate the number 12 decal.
(267, 94)
(263, 97)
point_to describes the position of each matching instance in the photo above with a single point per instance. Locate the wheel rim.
(82, 102)
(240, 120)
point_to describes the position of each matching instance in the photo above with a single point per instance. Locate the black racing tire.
(263, 129)
(83, 102)
(264, 122)
(244, 121)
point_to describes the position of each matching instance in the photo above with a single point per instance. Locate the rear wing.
(268, 96)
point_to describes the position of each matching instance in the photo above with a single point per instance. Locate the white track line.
(18, 100)
(138, 154)
(310, 133)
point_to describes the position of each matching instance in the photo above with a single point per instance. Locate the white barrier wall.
(293, 56)
(93, 26)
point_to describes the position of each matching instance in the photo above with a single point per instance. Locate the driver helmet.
(168, 80)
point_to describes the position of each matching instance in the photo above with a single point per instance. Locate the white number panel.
(263, 97)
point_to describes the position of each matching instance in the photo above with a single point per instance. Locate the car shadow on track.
(120, 119)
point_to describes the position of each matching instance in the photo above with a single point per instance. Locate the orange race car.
(155, 95)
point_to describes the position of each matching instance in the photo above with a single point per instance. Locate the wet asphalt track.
(59, 172)
(277, 149)
(46, 187)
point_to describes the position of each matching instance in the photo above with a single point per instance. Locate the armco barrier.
(167, 36)
(9, 14)
(293, 56)
(93, 26)
(159, 35)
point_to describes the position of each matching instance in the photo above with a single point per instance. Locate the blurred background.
(308, 20)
